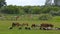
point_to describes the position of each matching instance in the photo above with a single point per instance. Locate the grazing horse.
(35, 26)
(46, 26)
(15, 24)
(20, 25)
(25, 24)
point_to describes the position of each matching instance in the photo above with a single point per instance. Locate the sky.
(25, 2)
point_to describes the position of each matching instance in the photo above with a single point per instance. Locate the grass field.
(5, 24)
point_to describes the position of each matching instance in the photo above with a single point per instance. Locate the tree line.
(46, 11)
(13, 9)
(10, 9)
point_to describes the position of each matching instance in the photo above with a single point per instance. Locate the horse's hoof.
(10, 28)
(20, 28)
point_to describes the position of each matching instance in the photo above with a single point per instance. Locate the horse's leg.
(27, 28)
(20, 27)
(11, 28)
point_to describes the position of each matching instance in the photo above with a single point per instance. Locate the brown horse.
(35, 25)
(25, 24)
(15, 25)
(19, 25)
(46, 26)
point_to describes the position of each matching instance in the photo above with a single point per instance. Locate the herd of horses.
(43, 26)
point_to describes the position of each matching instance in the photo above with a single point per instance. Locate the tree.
(36, 10)
(2, 3)
(27, 9)
(55, 8)
(10, 10)
(46, 9)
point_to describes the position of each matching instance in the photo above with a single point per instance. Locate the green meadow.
(5, 24)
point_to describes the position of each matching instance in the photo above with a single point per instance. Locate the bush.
(45, 17)
(55, 13)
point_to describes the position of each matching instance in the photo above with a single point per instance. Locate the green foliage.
(2, 3)
(21, 11)
(27, 9)
(45, 9)
(55, 8)
(45, 17)
(55, 13)
(10, 10)
(36, 10)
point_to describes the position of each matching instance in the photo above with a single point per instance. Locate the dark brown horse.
(35, 25)
(18, 25)
(15, 25)
(46, 26)
(25, 24)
